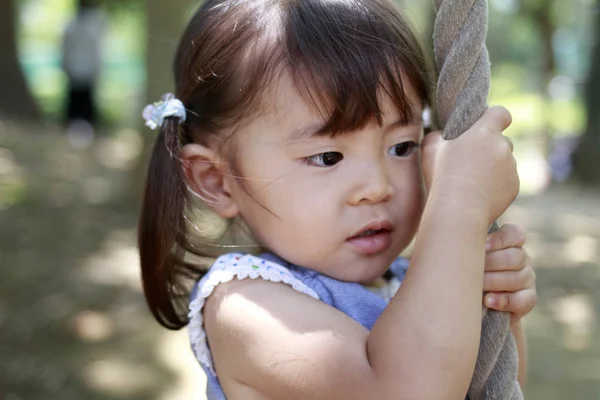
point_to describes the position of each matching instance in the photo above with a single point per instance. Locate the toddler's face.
(344, 206)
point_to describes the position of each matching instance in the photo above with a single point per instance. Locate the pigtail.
(162, 225)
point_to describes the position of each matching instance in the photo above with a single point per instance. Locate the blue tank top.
(353, 299)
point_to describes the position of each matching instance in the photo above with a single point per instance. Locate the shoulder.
(240, 266)
(231, 280)
(248, 306)
(254, 326)
(266, 335)
(241, 314)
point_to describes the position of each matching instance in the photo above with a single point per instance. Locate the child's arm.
(269, 341)
(436, 316)
(439, 302)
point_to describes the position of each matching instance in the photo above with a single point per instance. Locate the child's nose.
(371, 185)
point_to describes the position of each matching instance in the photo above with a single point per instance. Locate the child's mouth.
(374, 228)
(374, 238)
(371, 232)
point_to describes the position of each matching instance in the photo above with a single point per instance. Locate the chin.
(373, 269)
(376, 266)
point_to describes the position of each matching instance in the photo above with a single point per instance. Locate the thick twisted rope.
(463, 87)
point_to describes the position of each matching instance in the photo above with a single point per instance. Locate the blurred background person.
(81, 60)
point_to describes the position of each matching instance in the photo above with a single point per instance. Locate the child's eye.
(403, 149)
(327, 159)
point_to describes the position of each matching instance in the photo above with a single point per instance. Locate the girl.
(299, 123)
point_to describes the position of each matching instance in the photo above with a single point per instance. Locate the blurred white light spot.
(519, 213)
(8, 164)
(427, 117)
(116, 264)
(576, 312)
(562, 87)
(174, 352)
(506, 6)
(118, 378)
(80, 134)
(120, 153)
(582, 248)
(91, 326)
(534, 173)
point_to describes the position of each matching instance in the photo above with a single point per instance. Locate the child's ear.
(206, 174)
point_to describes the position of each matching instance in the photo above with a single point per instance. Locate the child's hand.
(477, 170)
(509, 280)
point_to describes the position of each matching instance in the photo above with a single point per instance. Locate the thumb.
(428, 154)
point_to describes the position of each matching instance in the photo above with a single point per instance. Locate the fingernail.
(491, 302)
(488, 245)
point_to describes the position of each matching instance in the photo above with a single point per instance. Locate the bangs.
(343, 57)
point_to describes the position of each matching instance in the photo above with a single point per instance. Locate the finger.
(511, 259)
(432, 139)
(509, 235)
(495, 118)
(508, 281)
(518, 303)
(510, 143)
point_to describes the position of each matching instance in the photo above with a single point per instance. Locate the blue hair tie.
(155, 114)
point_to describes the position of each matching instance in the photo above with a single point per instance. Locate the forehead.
(286, 105)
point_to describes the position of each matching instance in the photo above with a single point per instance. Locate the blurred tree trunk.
(540, 13)
(166, 21)
(586, 160)
(15, 98)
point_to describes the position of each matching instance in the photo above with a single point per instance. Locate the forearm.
(519, 335)
(429, 334)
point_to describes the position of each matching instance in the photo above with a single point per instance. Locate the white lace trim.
(225, 268)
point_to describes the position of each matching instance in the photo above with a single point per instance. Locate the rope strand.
(463, 87)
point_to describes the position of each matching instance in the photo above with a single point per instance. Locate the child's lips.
(378, 237)
(378, 226)
(371, 244)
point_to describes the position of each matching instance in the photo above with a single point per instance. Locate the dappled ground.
(563, 330)
(73, 322)
(74, 325)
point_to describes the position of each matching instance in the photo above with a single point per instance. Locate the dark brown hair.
(340, 55)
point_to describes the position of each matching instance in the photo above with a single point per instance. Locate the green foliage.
(532, 112)
(514, 42)
(123, 77)
(121, 5)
